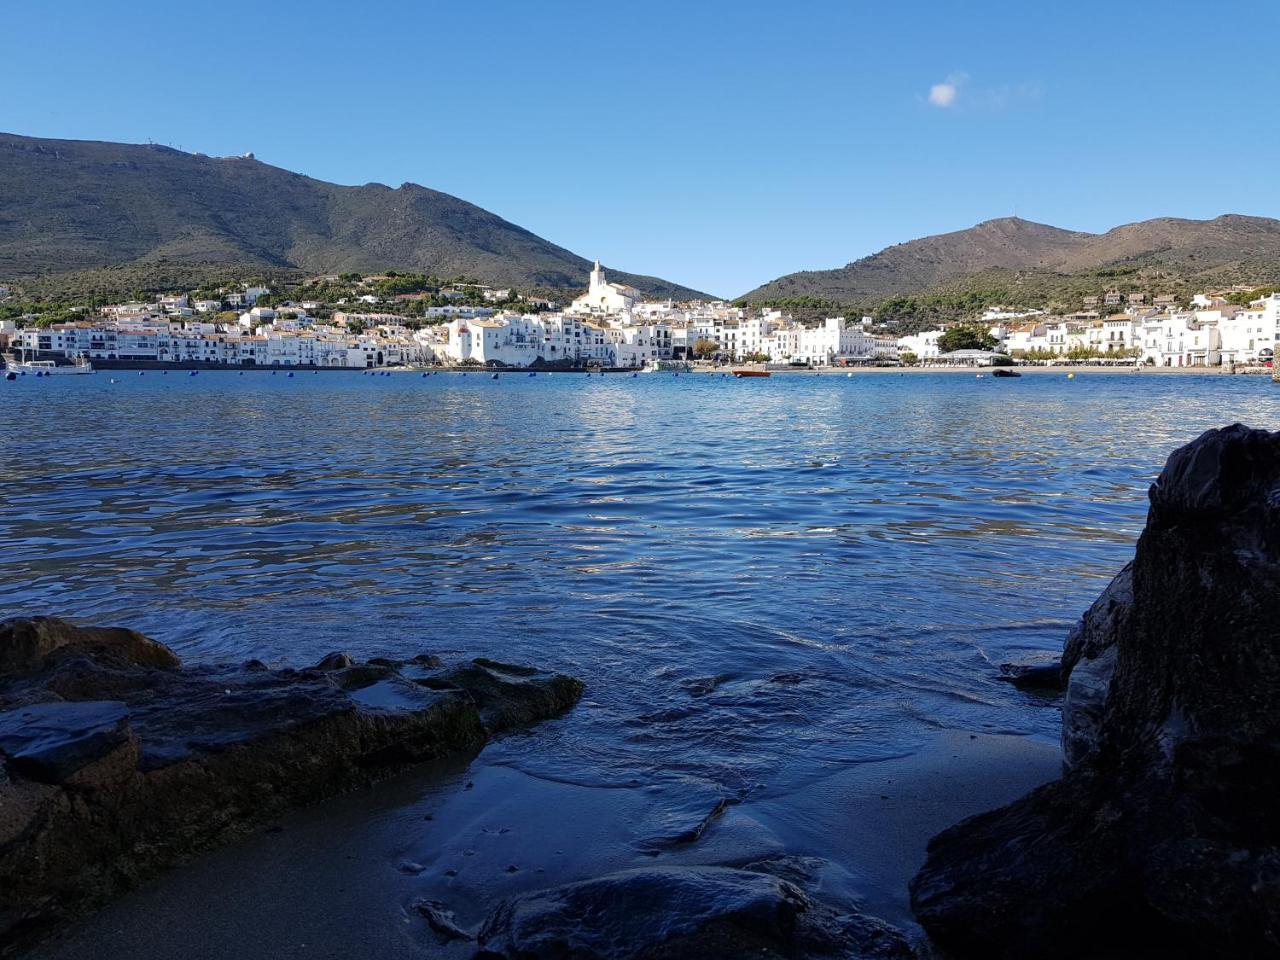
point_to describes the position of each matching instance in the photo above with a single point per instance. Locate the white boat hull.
(46, 368)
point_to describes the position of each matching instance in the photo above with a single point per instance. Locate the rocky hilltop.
(77, 205)
(1161, 838)
(1039, 259)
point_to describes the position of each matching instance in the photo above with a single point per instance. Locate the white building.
(1178, 339)
(604, 298)
(923, 345)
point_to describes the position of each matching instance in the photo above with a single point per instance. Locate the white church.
(603, 297)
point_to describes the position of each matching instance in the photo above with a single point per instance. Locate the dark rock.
(26, 643)
(713, 913)
(1161, 839)
(1099, 628)
(51, 741)
(335, 661)
(509, 696)
(1083, 706)
(97, 796)
(442, 922)
(1034, 677)
(684, 826)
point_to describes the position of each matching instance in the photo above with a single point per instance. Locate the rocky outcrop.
(713, 913)
(1088, 662)
(117, 761)
(27, 641)
(1161, 838)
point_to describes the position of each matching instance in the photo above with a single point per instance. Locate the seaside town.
(611, 326)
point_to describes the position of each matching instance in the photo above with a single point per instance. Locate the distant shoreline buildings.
(1212, 332)
(610, 325)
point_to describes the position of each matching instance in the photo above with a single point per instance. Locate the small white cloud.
(958, 93)
(943, 94)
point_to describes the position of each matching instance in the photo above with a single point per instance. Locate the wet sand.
(338, 880)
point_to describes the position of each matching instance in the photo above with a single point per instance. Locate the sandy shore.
(337, 880)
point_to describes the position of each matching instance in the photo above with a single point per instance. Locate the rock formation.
(712, 913)
(1161, 839)
(117, 761)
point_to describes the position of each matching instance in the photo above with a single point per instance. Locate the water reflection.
(758, 580)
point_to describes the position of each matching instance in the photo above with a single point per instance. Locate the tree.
(703, 348)
(907, 358)
(966, 336)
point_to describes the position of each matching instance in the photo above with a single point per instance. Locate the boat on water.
(47, 368)
(751, 373)
(1005, 372)
(667, 366)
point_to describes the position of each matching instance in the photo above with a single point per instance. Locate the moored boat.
(47, 368)
(667, 366)
(751, 373)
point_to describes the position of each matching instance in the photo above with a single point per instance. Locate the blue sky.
(715, 144)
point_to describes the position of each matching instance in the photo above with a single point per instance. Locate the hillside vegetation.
(1020, 263)
(115, 216)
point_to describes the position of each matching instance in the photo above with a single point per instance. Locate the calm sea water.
(759, 580)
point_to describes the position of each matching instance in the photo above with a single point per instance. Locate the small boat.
(47, 368)
(1005, 372)
(666, 366)
(751, 373)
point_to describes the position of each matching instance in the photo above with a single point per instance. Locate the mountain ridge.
(84, 205)
(1189, 249)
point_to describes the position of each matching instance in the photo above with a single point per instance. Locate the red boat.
(751, 373)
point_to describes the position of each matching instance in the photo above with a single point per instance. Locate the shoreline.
(340, 877)
(986, 371)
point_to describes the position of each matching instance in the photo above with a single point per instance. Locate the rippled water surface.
(759, 580)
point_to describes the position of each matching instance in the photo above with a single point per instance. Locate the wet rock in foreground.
(713, 913)
(1161, 839)
(116, 761)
